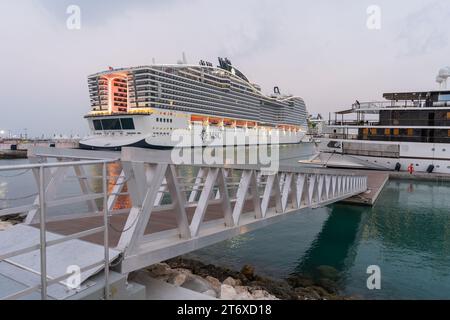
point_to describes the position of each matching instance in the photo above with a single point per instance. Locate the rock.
(241, 289)
(245, 295)
(246, 285)
(5, 225)
(328, 285)
(258, 294)
(262, 295)
(196, 283)
(297, 281)
(210, 293)
(248, 271)
(159, 270)
(178, 279)
(183, 271)
(320, 291)
(227, 292)
(281, 289)
(215, 283)
(309, 293)
(328, 272)
(230, 281)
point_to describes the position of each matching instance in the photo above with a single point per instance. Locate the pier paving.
(420, 176)
(375, 184)
(162, 219)
(378, 179)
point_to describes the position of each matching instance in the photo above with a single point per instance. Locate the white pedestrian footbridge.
(95, 217)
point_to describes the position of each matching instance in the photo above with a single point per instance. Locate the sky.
(322, 51)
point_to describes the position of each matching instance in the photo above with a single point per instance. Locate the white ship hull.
(167, 129)
(385, 155)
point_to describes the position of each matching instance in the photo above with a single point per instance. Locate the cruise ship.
(407, 128)
(182, 105)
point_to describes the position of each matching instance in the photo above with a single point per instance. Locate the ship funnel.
(276, 90)
(183, 59)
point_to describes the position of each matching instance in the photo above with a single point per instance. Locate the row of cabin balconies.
(99, 106)
(203, 91)
(120, 85)
(200, 99)
(184, 81)
(95, 87)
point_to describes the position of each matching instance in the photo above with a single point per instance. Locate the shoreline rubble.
(226, 284)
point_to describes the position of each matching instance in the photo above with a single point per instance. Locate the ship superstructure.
(144, 106)
(408, 128)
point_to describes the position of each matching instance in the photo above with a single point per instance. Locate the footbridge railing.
(157, 209)
(181, 208)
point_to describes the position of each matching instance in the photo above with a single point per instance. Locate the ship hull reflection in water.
(333, 250)
(113, 170)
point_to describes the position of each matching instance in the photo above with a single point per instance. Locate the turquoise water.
(407, 234)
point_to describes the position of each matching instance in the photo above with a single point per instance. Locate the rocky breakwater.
(226, 284)
(7, 222)
(5, 225)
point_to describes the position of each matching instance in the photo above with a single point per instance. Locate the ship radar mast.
(225, 64)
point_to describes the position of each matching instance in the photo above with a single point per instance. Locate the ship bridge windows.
(111, 124)
(97, 125)
(127, 123)
(114, 124)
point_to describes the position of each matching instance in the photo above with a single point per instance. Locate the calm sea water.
(407, 234)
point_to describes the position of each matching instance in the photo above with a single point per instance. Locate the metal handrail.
(55, 165)
(391, 104)
(44, 244)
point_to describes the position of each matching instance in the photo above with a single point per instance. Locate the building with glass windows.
(407, 128)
